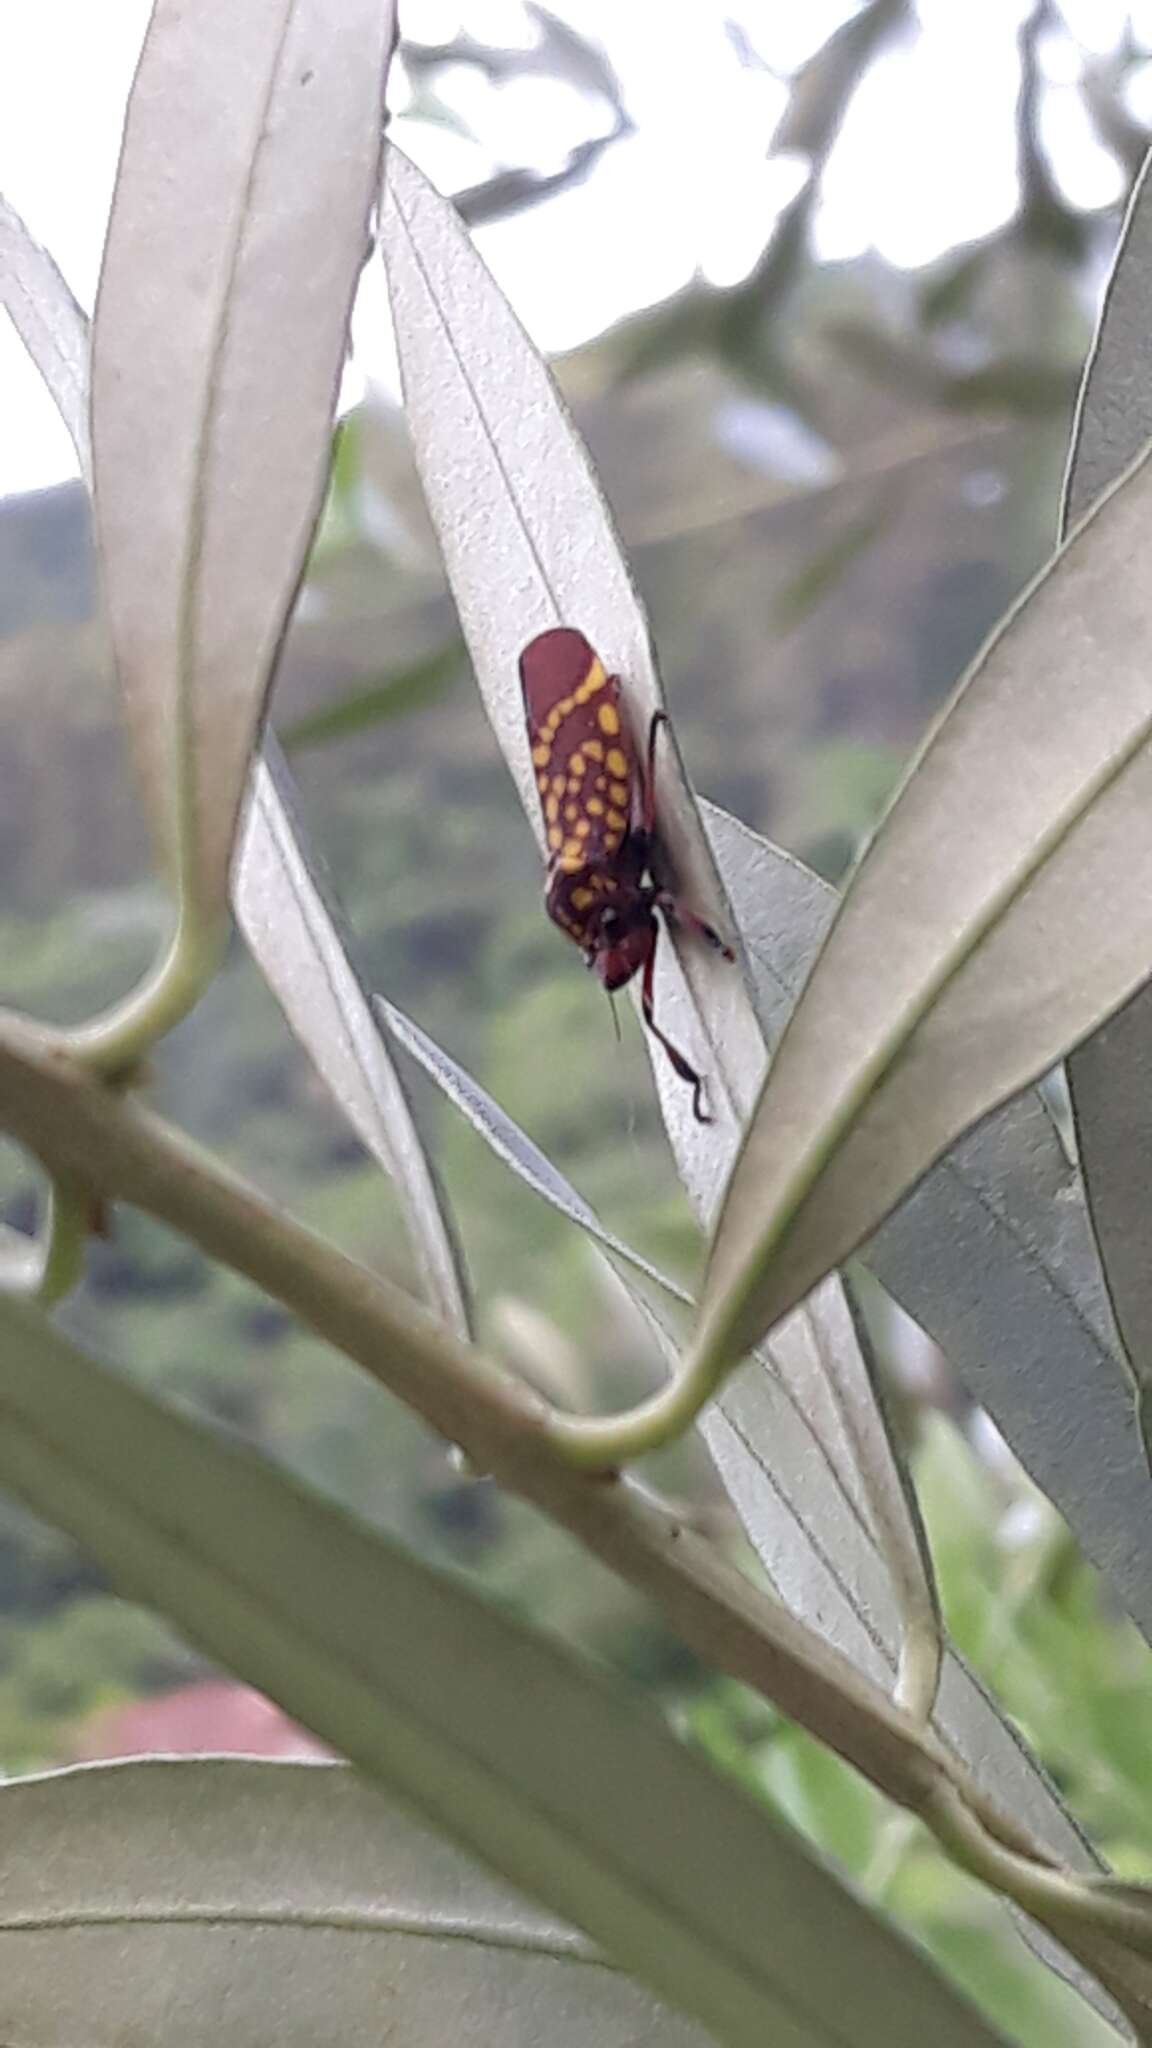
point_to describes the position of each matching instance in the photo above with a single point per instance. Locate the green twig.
(115, 1043)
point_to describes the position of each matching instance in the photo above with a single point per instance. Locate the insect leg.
(664, 899)
(659, 718)
(674, 910)
(679, 1063)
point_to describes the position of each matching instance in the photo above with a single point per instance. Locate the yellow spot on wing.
(583, 898)
(572, 854)
(555, 838)
(540, 757)
(582, 828)
(619, 792)
(595, 749)
(608, 718)
(593, 681)
(551, 810)
(616, 822)
(558, 785)
(595, 804)
(616, 763)
(576, 765)
(571, 812)
(542, 784)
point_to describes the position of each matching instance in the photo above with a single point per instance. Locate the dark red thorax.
(599, 819)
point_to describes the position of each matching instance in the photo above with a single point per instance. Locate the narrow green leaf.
(172, 1901)
(512, 1145)
(528, 1759)
(48, 321)
(969, 952)
(238, 231)
(1109, 1075)
(289, 920)
(413, 688)
(528, 543)
(298, 939)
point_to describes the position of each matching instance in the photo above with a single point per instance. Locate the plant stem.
(119, 1040)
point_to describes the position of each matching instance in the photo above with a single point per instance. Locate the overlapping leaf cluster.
(1000, 915)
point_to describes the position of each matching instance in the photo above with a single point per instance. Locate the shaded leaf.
(530, 1760)
(412, 688)
(166, 1901)
(299, 941)
(238, 230)
(1110, 1080)
(969, 952)
(1109, 1076)
(1114, 415)
(992, 1253)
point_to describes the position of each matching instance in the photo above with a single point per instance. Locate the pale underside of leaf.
(528, 543)
(1038, 1813)
(992, 1253)
(238, 231)
(48, 321)
(296, 936)
(792, 1478)
(503, 474)
(167, 1900)
(970, 952)
(279, 899)
(522, 1755)
(783, 909)
(814, 1362)
(1110, 1075)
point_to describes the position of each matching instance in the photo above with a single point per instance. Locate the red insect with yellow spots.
(600, 820)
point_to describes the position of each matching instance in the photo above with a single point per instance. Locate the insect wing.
(583, 756)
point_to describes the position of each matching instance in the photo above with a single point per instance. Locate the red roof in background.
(214, 1715)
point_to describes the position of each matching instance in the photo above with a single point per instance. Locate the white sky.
(690, 192)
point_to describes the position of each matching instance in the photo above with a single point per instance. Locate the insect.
(599, 806)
